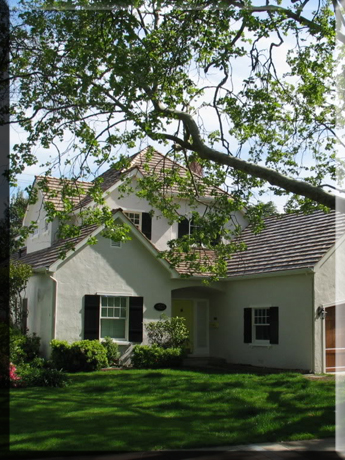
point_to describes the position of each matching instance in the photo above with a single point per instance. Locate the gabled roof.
(53, 193)
(146, 161)
(47, 257)
(288, 242)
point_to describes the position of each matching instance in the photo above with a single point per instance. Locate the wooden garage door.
(335, 338)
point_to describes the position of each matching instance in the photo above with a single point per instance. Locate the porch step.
(204, 361)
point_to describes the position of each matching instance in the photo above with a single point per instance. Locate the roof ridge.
(62, 179)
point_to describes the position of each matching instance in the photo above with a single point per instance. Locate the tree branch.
(298, 187)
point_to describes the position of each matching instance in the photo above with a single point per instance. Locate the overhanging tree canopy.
(245, 88)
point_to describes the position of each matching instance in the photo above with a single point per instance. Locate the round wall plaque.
(160, 306)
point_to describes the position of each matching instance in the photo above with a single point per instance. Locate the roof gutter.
(297, 271)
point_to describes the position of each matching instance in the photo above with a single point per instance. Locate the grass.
(137, 410)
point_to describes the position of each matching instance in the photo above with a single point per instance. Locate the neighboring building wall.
(40, 293)
(329, 290)
(293, 295)
(127, 271)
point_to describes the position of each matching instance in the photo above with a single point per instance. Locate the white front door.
(201, 327)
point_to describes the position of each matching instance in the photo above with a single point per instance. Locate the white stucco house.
(276, 307)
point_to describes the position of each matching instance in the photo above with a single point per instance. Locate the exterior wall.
(329, 290)
(43, 239)
(129, 271)
(40, 294)
(162, 231)
(293, 295)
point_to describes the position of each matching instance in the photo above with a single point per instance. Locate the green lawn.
(136, 410)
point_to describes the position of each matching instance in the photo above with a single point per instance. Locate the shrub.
(112, 350)
(154, 357)
(40, 377)
(81, 356)
(23, 348)
(31, 347)
(13, 377)
(168, 332)
(60, 354)
(88, 355)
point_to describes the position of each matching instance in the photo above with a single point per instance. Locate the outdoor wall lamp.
(321, 312)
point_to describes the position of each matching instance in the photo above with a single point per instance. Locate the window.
(114, 317)
(135, 218)
(142, 220)
(261, 325)
(188, 227)
(115, 244)
(24, 318)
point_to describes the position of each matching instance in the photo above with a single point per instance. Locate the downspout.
(55, 305)
(313, 323)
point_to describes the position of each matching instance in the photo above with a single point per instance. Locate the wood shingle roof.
(288, 242)
(146, 161)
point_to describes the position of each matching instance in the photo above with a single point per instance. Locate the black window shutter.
(91, 317)
(136, 319)
(274, 325)
(183, 228)
(146, 225)
(247, 325)
(24, 322)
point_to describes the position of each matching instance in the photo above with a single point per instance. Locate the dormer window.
(142, 220)
(135, 218)
(188, 227)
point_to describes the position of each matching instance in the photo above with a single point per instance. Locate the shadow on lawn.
(144, 411)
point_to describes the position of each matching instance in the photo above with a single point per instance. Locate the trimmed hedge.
(81, 356)
(155, 357)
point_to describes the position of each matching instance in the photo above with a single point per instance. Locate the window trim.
(117, 340)
(249, 331)
(256, 341)
(140, 214)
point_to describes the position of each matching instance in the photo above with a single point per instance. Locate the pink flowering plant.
(14, 378)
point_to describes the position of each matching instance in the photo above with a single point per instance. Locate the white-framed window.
(261, 325)
(114, 317)
(135, 218)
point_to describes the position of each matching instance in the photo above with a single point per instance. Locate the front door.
(335, 338)
(195, 313)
